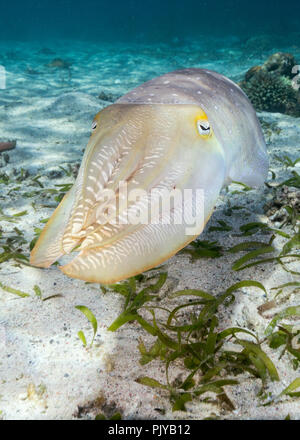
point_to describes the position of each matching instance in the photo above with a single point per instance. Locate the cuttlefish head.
(136, 156)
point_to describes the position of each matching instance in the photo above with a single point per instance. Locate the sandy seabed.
(45, 372)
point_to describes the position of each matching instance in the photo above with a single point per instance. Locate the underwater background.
(148, 21)
(61, 62)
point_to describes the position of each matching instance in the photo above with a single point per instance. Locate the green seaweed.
(196, 342)
(287, 161)
(11, 218)
(92, 319)
(116, 416)
(223, 226)
(289, 311)
(203, 249)
(289, 391)
(14, 291)
(292, 181)
(240, 263)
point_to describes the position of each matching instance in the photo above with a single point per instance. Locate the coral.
(271, 93)
(269, 87)
(280, 63)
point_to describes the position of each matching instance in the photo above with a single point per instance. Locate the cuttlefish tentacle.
(186, 130)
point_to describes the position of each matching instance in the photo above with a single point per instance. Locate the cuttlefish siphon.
(191, 129)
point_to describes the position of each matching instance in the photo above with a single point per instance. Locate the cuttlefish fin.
(49, 248)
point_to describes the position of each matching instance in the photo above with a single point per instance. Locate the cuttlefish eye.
(203, 127)
(94, 125)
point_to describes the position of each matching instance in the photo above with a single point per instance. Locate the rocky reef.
(273, 87)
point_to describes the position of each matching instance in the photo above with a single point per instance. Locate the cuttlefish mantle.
(191, 129)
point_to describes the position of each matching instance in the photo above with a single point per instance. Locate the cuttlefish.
(186, 130)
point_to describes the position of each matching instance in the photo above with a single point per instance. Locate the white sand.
(50, 116)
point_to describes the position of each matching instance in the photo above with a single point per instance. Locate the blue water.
(146, 21)
(111, 47)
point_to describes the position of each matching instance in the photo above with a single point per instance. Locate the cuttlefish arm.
(185, 131)
(48, 247)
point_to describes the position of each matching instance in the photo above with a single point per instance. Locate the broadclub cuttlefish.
(187, 130)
